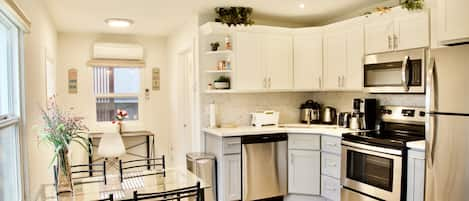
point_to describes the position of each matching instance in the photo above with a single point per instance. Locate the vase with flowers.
(119, 118)
(60, 129)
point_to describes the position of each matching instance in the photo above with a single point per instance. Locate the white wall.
(75, 51)
(183, 39)
(40, 42)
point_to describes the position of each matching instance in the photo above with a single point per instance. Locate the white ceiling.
(160, 17)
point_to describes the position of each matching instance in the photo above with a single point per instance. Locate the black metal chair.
(194, 192)
(142, 164)
(110, 198)
(89, 170)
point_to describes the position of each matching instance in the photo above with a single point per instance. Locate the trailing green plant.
(222, 79)
(59, 130)
(412, 4)
(234, 15)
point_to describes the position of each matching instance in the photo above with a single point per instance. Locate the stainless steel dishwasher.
(264, 166)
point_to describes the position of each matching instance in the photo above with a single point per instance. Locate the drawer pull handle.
(331, 144)
(332, 165)
(233, 143)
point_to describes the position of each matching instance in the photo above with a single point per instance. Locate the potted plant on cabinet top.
(222, 82)
(60, 129)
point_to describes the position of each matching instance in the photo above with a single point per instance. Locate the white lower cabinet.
(330, 188)
(415, 175)
(232, 176)
(304, 169)
(330, 165)
(304, 172)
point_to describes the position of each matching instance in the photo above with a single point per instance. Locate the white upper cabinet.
(263, 61)
(343, 56)
(411, 30)
(277, 58)
(452, 21)
(353, 79)
(335, 58)
(398, 30)
(379, 35)
(250, 73)
(308, 60)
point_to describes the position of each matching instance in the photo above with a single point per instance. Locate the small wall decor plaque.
(73, 81)
(155, 79)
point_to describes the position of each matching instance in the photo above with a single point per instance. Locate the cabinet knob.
(389, 42)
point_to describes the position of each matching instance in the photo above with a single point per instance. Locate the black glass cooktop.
(388, 139)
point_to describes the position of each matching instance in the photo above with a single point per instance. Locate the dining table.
(142, 181)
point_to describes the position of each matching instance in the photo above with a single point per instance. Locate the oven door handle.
(373, 150)
(405, 68)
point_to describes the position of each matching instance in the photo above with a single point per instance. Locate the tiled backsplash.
(235, 108)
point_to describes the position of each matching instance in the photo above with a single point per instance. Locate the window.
(116, 88)
(10, 166)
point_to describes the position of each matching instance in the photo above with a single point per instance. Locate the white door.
(232, 175)
(335, 59)
(353, 79)
(412, 31)
(188, 97)
(454, 15)
(304, 172)
(278, 60)
(307, 60)
(379, 35)
(249, 72)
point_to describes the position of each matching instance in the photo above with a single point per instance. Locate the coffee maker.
(364, 115)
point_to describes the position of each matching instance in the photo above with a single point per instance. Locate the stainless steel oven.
(395, 72)
(372, 170)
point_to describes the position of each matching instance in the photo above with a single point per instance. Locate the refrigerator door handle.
(431, 99)
(433, 130)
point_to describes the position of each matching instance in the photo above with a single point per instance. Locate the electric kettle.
(329, 115)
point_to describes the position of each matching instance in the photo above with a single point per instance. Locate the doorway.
(185, 138)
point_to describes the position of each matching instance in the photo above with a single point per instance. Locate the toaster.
(264, 118)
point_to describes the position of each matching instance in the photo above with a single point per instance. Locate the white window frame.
(14, 117)
(129, 123)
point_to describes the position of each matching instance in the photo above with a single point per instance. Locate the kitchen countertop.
(417, 145)
(330, 130)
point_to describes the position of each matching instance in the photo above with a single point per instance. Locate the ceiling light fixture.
(301, 5)
(118, 22)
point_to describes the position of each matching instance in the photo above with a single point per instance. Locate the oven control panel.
(403, 114)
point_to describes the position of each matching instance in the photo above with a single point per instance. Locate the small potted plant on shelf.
(120, 116)
(222, 82)
(60, 129)
(215, 46)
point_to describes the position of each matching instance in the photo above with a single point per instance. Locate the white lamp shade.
(111, 145)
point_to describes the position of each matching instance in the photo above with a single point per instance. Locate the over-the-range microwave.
(395, 72)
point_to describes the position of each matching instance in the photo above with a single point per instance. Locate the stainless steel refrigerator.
(447, 140)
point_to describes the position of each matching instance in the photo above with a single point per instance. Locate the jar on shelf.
(228, 42)
(221, 65)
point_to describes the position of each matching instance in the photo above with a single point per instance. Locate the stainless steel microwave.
(395, 72)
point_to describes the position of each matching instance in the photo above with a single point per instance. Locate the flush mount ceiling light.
(301, 5)
(118, 22)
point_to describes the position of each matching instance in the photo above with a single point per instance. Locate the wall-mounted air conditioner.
(118, 51)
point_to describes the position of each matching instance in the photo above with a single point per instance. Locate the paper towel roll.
(213, 115)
